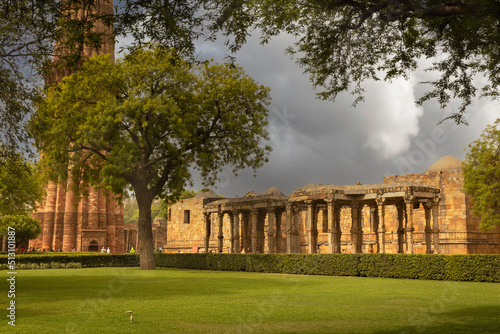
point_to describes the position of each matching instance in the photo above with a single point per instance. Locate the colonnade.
(249, 234)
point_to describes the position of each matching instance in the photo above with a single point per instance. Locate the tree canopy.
(482, 176)
(26, 228)
(342, 43)
(20, 188)
(146, 122)
(34, 33)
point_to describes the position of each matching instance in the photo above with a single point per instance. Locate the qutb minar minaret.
(96, 221)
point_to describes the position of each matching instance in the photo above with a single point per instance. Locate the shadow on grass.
(483, 319)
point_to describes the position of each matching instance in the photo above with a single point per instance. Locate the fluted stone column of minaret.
(62, 218)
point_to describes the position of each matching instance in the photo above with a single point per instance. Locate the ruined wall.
(459, 228)
(183, 235)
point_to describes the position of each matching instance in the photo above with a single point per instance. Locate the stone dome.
(445, 163)
(206, 193)
(273, 191)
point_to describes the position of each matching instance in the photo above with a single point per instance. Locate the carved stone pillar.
(374, 225)
(231, 232)
(428, 229)
(207, 230)
(236, 233)
(289, 228)
(271, 220)
(401, 231)
(435, 223)
(221, 235)
(409, 200)
(334, 233)
(381, 225)
(311, 228)
(245, 231)
(253, 218)
(356, 228)
(296, 229)
(278, 230)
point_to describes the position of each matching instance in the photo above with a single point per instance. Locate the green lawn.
(189, 301)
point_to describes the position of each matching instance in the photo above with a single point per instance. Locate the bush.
(480, 268)
(61, 260)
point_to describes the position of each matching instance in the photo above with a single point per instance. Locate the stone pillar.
(409, 200)
(374, 225)
(289, 228)
(244, 231)
(236, 233)
(311, 228)
(401, 231)
(253, 218)
(435, 224)
(295, 230)
(231, 232)
(271, 237)
(334, 233)
(220, 237)
(277, 231)
(381, 225)
(356, 229)
(207, 231)
(428, 229)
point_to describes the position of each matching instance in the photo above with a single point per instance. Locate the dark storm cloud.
(333, 143)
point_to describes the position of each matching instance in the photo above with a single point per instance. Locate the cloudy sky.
(334, 143)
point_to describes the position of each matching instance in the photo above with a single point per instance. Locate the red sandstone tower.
(96, 221)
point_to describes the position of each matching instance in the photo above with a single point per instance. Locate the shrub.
(87, 260)
(482, 268)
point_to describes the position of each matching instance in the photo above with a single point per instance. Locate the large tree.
(342, 43)
(482, 176)
(147, 122)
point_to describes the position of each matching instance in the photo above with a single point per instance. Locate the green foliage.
(20, 188)
(33, 31)
(45, 260)
(479, 268)
(481, 171)
(342, 43)
(146, 122)
(26, 228)
(27, 28)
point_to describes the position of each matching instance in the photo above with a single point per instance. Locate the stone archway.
(93, 246)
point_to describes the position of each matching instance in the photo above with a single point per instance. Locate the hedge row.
(479, 268)
(86, 259)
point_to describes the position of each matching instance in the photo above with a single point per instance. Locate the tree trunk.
(145, 246)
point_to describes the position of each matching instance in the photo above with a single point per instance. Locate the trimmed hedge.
(479, 268)
(85, 259)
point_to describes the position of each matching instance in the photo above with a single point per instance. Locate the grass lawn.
(188, 301)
